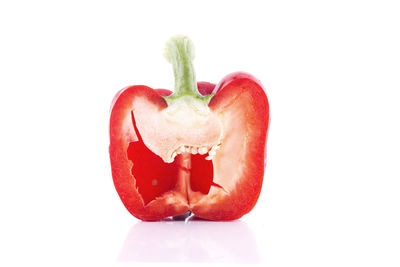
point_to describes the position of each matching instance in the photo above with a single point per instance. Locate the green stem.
(179, 51)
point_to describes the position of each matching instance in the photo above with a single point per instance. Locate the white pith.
(187, 126)
(202, 150)
(187, 111)
(193, 113)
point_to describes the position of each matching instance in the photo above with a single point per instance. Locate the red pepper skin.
(242, 200)
(238, 94)
(121, 165)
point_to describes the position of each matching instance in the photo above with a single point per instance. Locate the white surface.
(331, 69)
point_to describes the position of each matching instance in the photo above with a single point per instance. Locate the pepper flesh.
(223, 184)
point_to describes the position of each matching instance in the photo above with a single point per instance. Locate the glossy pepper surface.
(201, 148)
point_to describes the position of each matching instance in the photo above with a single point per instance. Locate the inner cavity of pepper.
(154, 177)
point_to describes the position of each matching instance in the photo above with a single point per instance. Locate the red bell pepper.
(200, 149)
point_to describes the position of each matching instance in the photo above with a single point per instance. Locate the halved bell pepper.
(201, 148)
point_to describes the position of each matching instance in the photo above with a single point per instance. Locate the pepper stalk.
(179, 51)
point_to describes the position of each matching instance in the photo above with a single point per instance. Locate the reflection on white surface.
(192, 240)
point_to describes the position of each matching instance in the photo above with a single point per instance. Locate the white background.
(332, 74)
